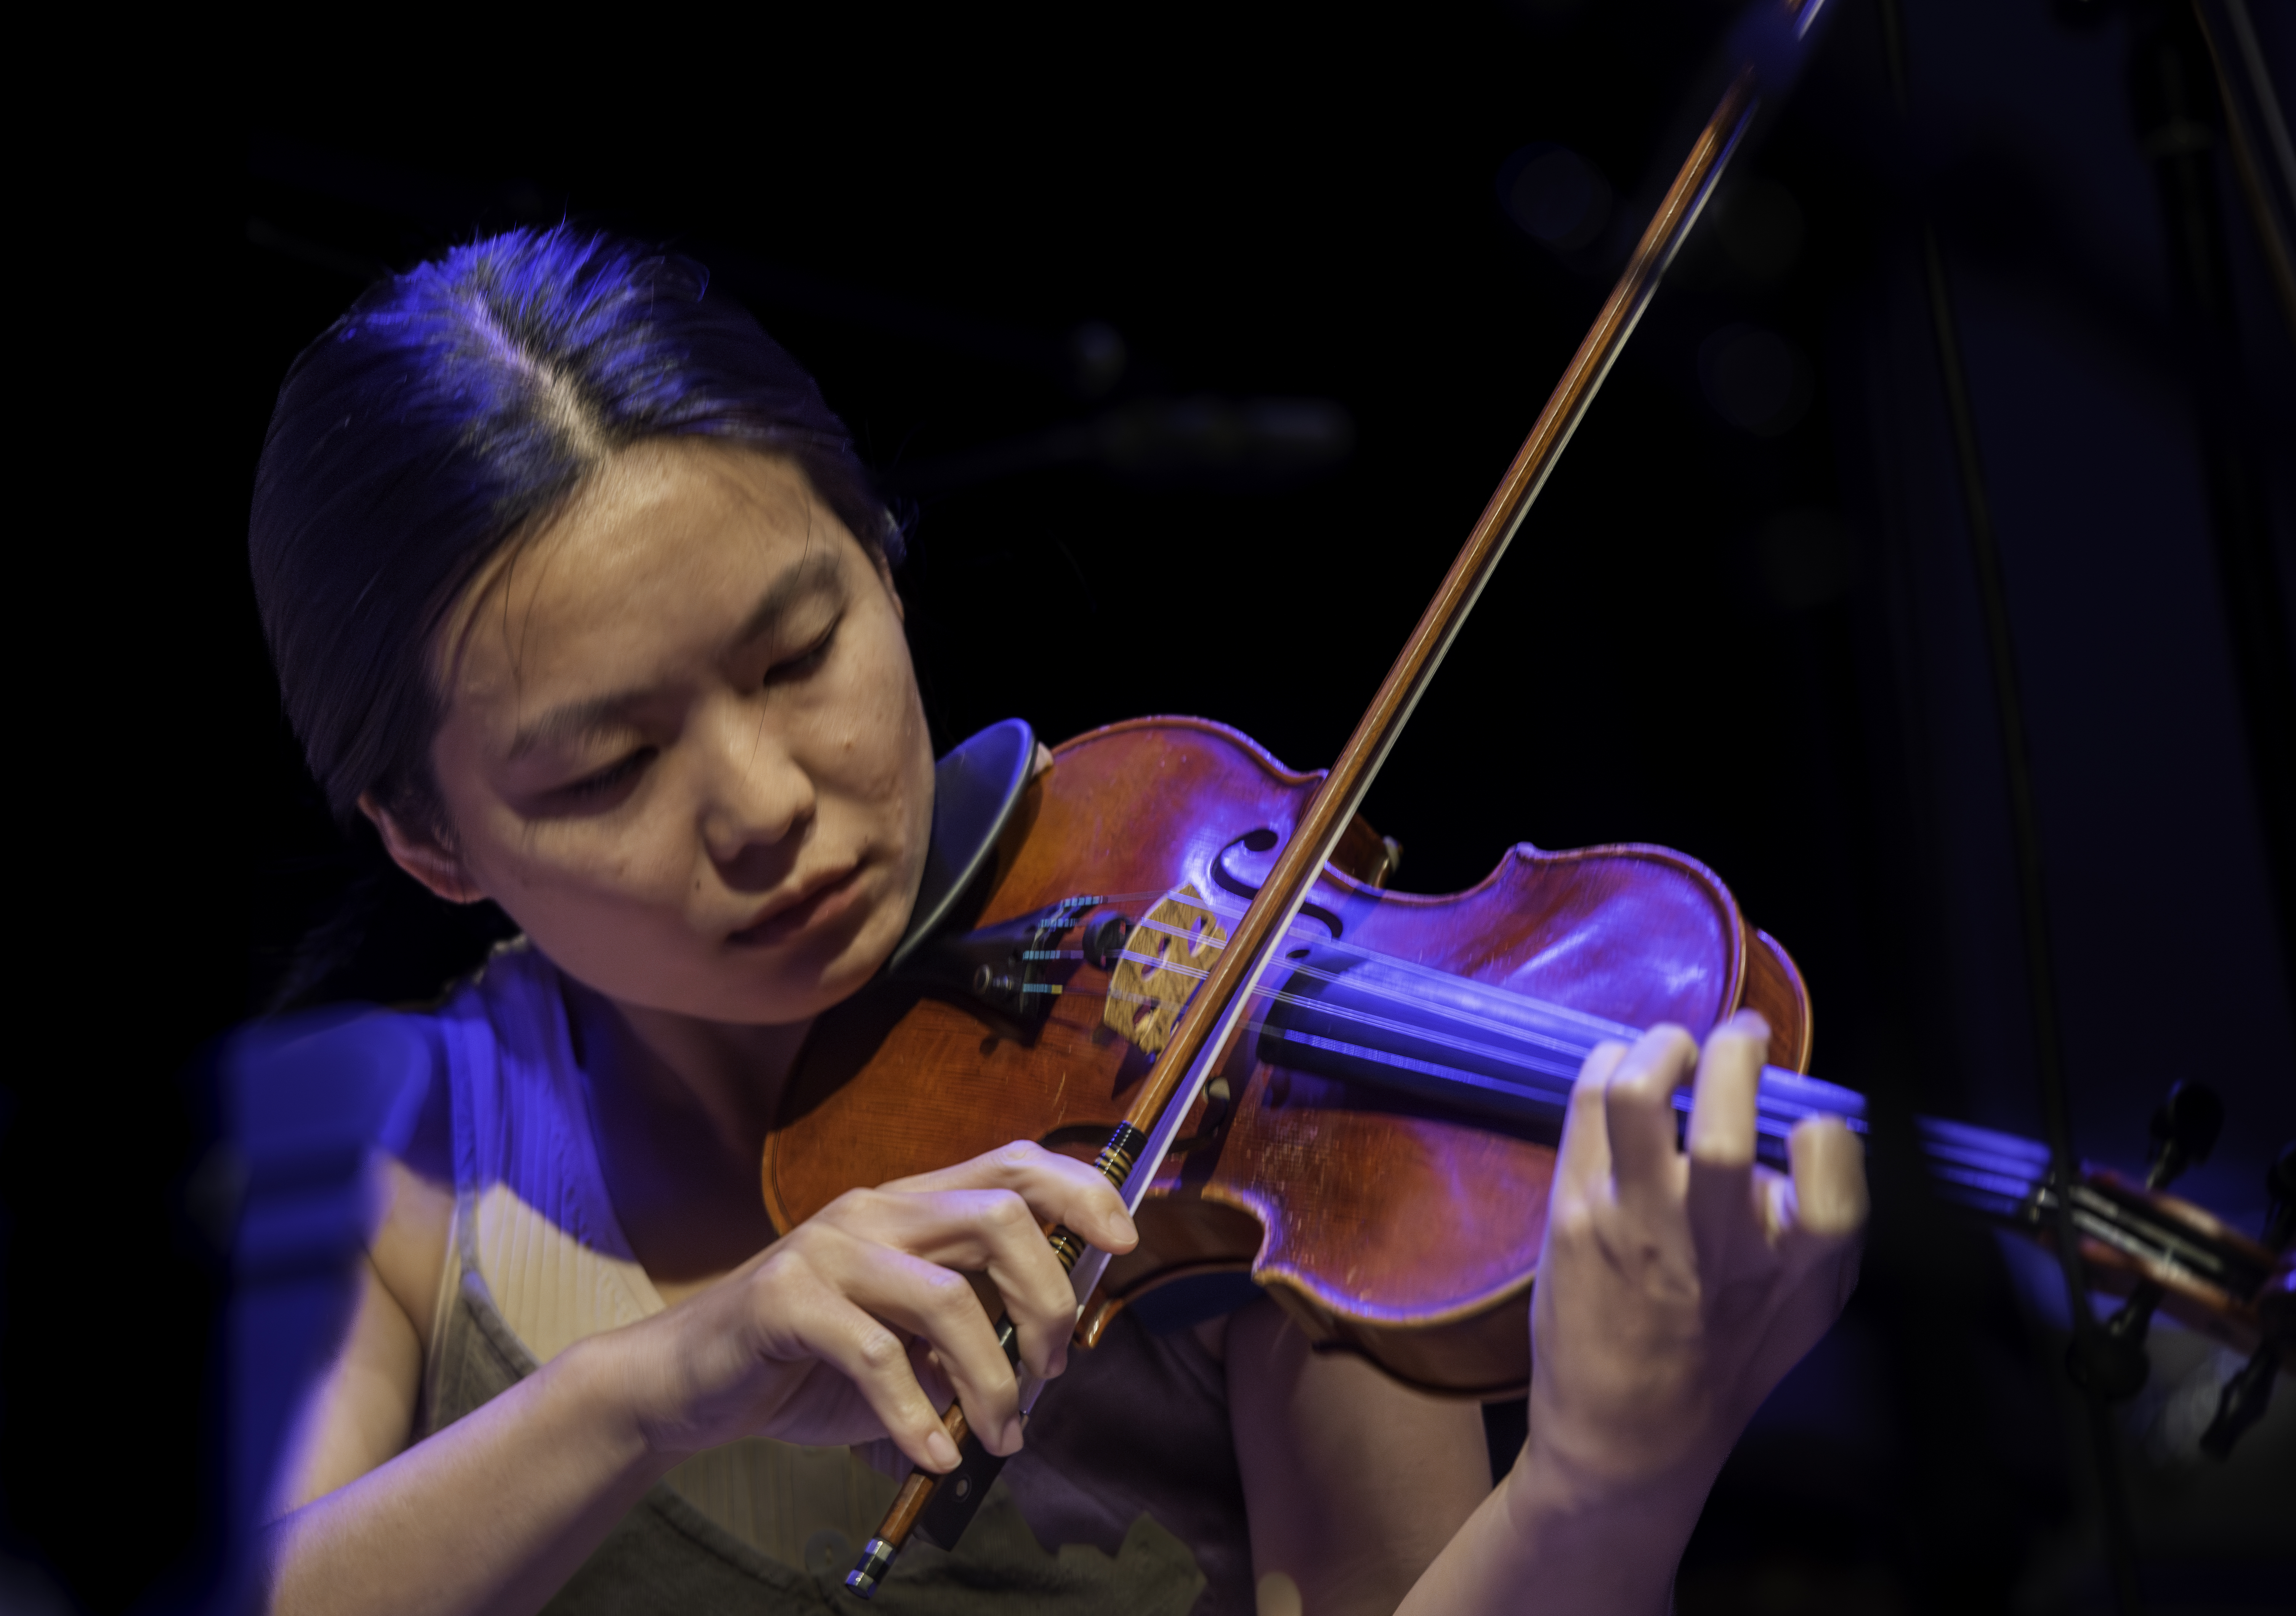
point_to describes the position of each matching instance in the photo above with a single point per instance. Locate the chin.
(805, 982)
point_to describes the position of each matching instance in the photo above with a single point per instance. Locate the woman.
(579, 596)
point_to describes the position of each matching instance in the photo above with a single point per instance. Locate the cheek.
(611, 910)
(612, 865)
(874, 753)
(904, 761)
(880, 721)
(534, 868)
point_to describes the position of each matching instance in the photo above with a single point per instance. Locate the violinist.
(579, 597)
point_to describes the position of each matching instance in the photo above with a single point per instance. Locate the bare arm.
(1353, 1483)
(1674, 1291)
(491, 1515)
(819, 1339)
(362, 1413)
(504, 1506)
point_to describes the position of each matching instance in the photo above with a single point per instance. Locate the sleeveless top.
(1126, 1497)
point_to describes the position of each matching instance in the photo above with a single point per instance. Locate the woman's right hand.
(858, 1323)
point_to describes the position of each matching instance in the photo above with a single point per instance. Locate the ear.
(420, 854)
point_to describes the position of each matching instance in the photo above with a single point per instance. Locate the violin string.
(1340, 1012)
(1775, 1123)
(1259, 1025)
(1464, 1018)
(1572, 1052)
(1305, 931)
(1360, 1018)
(1994, 1165)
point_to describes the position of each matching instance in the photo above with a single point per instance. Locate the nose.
(756, 798)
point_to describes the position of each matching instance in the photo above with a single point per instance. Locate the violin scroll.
(2249, 1391)
(2167, 1252)
(2110, 1357)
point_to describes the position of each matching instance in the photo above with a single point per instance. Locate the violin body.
(1392, 1230)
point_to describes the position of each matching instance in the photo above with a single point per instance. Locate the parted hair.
(458, 406)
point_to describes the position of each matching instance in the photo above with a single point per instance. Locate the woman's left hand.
(1677, 1286)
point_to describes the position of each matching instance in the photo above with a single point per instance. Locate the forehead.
(659, 558)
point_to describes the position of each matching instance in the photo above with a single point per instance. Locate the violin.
(1374, 1145)
(1169, 954)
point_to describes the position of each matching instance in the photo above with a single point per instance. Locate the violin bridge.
(1168, 954)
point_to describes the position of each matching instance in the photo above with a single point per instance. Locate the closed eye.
(591, 786)
(806, 662)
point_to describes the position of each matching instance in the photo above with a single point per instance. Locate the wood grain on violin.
(1398, 1224)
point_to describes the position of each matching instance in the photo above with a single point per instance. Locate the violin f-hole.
(1261, 840)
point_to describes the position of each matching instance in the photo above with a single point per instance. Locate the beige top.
(1127, 1500)
(552, 1286)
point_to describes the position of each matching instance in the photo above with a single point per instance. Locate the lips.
(819, 905)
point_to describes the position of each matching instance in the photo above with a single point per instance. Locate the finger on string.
(1720, 1139)
(1059, 1189)
(1722, 1104)
(1583, 1159)
(1638, 1105)
(938, 1304)
(1830, 1200)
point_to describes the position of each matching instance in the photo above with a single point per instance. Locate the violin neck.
(1998, 1176)
(2013, 1181)
(1501, 1058)
(2001, 1176)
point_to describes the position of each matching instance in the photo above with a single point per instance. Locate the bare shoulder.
(414, 1190)
(361, 1412)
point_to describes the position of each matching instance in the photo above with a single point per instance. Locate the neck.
(727, 1079)
(682, 1107)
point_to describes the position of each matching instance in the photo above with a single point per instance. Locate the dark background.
(1052, 274)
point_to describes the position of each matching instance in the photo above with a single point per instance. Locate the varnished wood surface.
(1774, 986)
(1408, 1238)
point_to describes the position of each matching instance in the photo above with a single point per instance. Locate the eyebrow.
(816, 574)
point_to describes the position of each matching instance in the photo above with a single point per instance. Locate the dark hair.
(459, 406)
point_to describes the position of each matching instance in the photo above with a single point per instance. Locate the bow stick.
(1769, 43)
